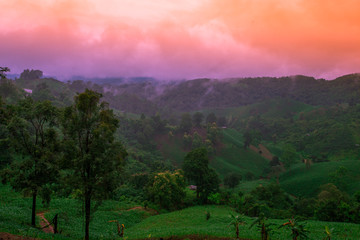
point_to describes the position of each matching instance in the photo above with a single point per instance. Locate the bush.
(232, 180)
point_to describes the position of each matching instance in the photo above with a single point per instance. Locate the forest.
(251, 158)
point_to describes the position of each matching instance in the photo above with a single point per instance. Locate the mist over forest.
(265, 149)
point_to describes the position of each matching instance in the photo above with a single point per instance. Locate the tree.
(197, 118)
(33, 135)
(297, 230)
(221, 122)
(232, 180)
(196, 170)
(31, 74)
(197, 141)
(5, 147)
(264, 227)
(3, 70)
(186, 122)
(167, 189)
(236, 221)
(289, 156)
(93, 156)
(211, 118)
(213, 133)
(338, 177)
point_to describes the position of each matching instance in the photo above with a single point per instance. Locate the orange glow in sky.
(176, 39)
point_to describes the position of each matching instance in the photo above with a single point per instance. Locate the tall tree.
(31, 74)
(5, 156)
(186, 123)
(211, 118)
(167, 189)
(33, 135)
(94, 157)
(196, 170)
(289, 156)
(3, 70)
(198, 118)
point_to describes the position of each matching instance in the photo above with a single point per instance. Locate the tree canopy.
(196, 170)
(93, 156)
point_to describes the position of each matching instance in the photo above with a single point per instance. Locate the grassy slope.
(234, 158)
(231, 158)
(172, 148)
(192, 221)
(305, 182)
(15, 216)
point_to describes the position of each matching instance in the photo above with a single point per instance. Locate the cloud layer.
(181, 39)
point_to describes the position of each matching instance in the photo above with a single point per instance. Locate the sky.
(181, 39)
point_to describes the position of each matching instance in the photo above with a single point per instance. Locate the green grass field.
(192, 221)
(305, 182)
(234, 158)
(15, 216)
(231, 157)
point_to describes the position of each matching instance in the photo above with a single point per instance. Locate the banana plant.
(298, 230)
(265, 228)
(236, 221)
(120, 228)
(328, 233)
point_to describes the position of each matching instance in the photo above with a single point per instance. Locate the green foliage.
(33, 136)
(214, 198)
(196, 170)
(334, 205)
(213, 133)
(31, 74)
(197, 119)
(338, 177)
(264, 227)
(328, 232)
(139, 224)
(236, 221)
(289, 156)
(197, 141)
(232, 180)
(186, 123)
(3, 71)
(211, 118)
(93, 158)
(232, 157)
(269, 199)
(167, 189)
(298, 230)
(294, 181)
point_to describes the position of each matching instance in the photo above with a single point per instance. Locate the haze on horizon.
(181, 38)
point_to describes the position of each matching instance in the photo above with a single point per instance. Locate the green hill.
(234, 158)
(230, 156)
(305, 182)
(191, 223)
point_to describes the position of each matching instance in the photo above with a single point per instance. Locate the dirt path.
(44, 222)
(9, 236)
(264, 151)
(149, 210)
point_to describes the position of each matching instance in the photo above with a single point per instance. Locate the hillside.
(150, 96)
(304, 182)
(230, 156)
(140, 224)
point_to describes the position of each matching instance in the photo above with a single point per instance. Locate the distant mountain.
(148, 95)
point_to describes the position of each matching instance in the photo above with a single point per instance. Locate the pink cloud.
(213, 38)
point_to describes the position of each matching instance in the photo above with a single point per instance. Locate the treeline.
(322, 134)
(150, 96)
